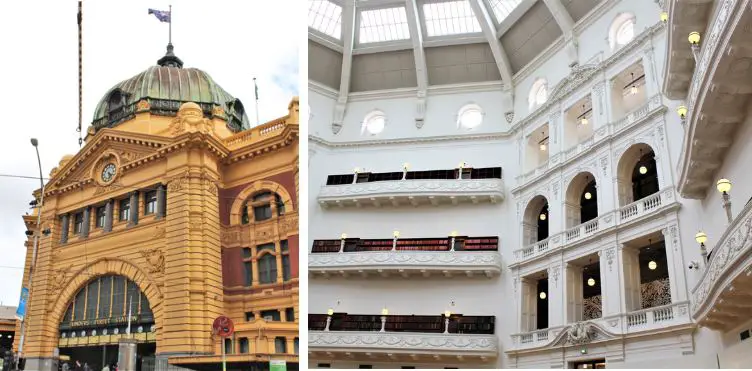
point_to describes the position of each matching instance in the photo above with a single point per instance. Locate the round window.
(374, 122)
(625, 33)
(470, 116)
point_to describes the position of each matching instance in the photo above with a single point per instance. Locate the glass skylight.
(450, 18)
(502, 8)
(325, 16)
(383, 25)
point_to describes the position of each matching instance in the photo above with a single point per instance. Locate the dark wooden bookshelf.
(409, 244)
(365, 177)
(458, 323)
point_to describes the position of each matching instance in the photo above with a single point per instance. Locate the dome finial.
(170, 59)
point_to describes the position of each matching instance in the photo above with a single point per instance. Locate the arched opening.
(578, 123)
(637, 174)
(582, 199)
(106, 309)
(622, 30)
(115, 101)
(628, 91)
(538, 94)
(264, 206)
(535, 221)
(537, 148)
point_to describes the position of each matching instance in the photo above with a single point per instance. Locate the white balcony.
(651, 205)
(412, 192)
(406, 263)
(675, 315)
(392, 345)
(722, 298)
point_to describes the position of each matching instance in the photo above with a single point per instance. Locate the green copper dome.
(165, 87)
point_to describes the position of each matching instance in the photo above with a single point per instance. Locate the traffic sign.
(223, 327)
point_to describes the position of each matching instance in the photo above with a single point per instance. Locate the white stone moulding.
(648, 206)
(612, 327)
(602, 135)
(730, 259)
(405, 263)
(462, 345)
(412, 192)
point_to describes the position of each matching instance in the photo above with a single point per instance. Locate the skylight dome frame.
(451, 35)
(337, 22)
(405, 27)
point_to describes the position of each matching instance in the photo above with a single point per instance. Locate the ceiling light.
(588, 195)
(664, 16)
(542, 295)
(542, 216)
(543, 146)
(591, 282)
(694, 38)
(470, 116)
(643, 170)
(633, 89)
(682, 111)
(652, 265)
(584, 121)
(724, 186)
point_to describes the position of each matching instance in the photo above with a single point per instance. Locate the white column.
(527, 298)
(611, 292)
(556, 296)
(676, 269)
(555, 132)
(598, 97)
(648, 63)
(573, 293)
(631, 274)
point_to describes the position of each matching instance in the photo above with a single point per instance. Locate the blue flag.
(21, 311)
(162, 15)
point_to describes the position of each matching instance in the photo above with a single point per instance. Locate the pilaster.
(556, 296)
(611, 292)
(676, 271)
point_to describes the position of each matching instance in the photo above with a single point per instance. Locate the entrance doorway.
(590, 364)
(98, 356)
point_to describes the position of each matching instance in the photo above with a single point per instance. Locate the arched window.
(374, 123)
(262, 207)
(622, 30)
(267, 266)
(538, 94)
(469, 116)
(115, 101)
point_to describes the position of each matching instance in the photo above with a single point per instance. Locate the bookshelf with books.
(423, 244)
(405, 323)
(321, 246)
(476, 244)
(408, 244)
(370, 245)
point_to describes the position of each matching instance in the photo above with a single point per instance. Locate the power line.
(21, 176)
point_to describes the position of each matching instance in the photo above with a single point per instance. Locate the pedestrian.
(87, 367)
(78, 366)
(106, 367)
(65, 366)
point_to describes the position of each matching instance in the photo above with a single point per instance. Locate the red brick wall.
(227, 196)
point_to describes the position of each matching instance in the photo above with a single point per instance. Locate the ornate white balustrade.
(404, 263)
(722, 298)
(645, 207)
(644, 320)
(602, 135)
(394, 344)
(412, 192)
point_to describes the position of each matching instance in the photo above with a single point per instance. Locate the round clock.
(108, 172)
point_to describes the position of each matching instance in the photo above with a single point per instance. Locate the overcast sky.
(232, 41)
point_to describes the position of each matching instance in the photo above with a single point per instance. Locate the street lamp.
(682, 112)
(694, 43)
(701, 238)
(664, 17)
(35, 143)
(724, 186)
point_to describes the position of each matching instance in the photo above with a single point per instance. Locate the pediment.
(576, 77)
(581, 333)
(108, 146)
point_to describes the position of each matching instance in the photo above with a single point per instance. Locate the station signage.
(103, 322)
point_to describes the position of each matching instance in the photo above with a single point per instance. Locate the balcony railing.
(448, 255)
(415, 335)
(412, 192)
(649, 319)
(641, 208)
(600, 137)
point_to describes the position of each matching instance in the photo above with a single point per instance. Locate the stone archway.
(236, 211)
(634, 156)
(102, 267)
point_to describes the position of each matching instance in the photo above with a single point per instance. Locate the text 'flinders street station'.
(173, 213)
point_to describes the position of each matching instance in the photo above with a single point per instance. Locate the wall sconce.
(384, 313)
(343, 236)
(724, 186)
(664, 17)
(694, 43)
(342, 239)
(543, 146)
(396, 234)
(447, 313)
(356, 170)
(453, 235)
(643, 170)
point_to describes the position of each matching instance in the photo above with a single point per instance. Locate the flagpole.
(128, 331)
(169, 41)
(255, 89)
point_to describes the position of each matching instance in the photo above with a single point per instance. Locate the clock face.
(108, 172)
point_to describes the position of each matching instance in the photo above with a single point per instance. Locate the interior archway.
(581, 199)
(637, 174)
(535, 220)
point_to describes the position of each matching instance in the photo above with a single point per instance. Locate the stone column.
(161, 201)
(133, 217)
(556, 296)
(87, 222)
(676, 273)
(631, 287)
(290, 345)
(648, 65)
(573, 283)
(255, 273)
(64, 228)
(108, 215)
(527, 304)
(611, 292)
(278, 257)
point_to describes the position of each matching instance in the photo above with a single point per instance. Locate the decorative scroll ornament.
(154, 260)
(509, 116)
(592, 307)
(610, 257)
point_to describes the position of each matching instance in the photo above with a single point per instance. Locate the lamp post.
(462, 165)
(701, 238)
(35, 143)
(396, 235)
(355, 176)
(446, 321)
(405, 168)
(682, 112)
(664, 17)
(454, 237)
(384, 313)
(694, 43)
(724, 186)
(342, 239)
(329, 313)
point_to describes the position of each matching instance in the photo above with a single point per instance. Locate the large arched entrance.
(108, 308)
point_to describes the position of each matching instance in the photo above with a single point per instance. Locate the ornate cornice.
(415, 343)
(488, 262)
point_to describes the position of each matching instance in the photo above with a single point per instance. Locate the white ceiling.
(361, 45)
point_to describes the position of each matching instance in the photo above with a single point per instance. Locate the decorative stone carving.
(155, 260)
(388, 341)
(159, 232)
(190, 118)
(218, 111)
(610, 254)
(438, 260)
(108, 188)
(509, 116)
(580, 333)
(142, 106)
(604, 165)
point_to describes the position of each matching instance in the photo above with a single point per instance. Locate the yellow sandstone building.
(173, 213)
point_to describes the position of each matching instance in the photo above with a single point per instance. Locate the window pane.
(145, 307)
(280, 205)
(100, 217)
(297, 342)
(80, 304)
(268, 269)
(125, 209)
(248, 272)
(280, 345)
(271, 315)
(266, 246)
(285, 267)
(118, 292)
(92, 294)
(244, 217)
(105, 295)
(246, 253)
(228, 346)
(68, 314)
(284, 246)
(243, 345)
(290, 314)
(133, 295)
(262, 213)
